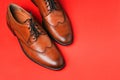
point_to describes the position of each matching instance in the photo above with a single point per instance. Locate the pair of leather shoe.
(33, 39)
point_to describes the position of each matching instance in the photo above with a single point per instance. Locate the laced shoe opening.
(19, 14)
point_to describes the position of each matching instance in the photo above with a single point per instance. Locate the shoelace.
(35, 32)
(51, 5)
(33, 29)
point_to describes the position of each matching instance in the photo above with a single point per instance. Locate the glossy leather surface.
(55, 20)
(33, 39)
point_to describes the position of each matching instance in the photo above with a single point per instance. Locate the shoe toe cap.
(65, 40)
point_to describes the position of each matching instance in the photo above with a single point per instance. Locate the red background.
(94, 54)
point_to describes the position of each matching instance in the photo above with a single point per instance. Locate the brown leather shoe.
(55, 20)
(33, 39)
